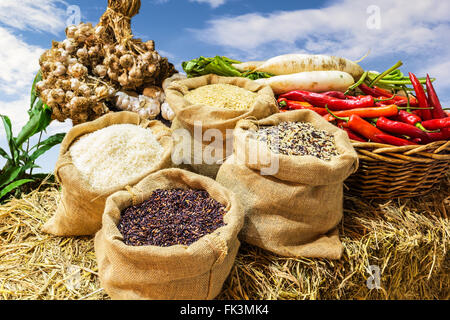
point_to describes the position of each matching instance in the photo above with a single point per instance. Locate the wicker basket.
(387, 172)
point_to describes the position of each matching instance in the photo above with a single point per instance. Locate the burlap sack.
(188, 115)
(80, 209)
(293, 205)
(197, 271)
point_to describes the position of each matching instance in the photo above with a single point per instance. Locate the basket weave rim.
(373, 151)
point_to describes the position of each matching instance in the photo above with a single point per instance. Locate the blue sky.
(416, 32)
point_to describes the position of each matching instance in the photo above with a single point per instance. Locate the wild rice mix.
(298, 139)
(170, 217)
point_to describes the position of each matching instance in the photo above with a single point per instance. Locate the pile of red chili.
(378, 115)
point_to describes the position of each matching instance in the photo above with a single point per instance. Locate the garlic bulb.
(126, 61)
(101, 92)
(167, 112)
(77, 70)
(101, 70)
(146, 107)
(152, 105)
(60, 70)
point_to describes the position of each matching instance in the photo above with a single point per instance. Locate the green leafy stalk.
(356, 85)
(381, 75)
(13, 186)
(19, 160)
(219, 65)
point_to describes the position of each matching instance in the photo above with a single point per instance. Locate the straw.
(407, 240)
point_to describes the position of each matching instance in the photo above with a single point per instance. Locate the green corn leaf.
(9, 137)
(4, 154)
(13, 186)
(36, 108)
(39, 121)
(9, 175)
(46, 145)
(8, 127)
(33, 88)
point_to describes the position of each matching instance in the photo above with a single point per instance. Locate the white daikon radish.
(295, 63)
(315, 81)
(247, 66)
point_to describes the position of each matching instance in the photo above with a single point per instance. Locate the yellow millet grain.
(222, 96)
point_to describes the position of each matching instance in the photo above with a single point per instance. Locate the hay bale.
(34, 265)
(407, 239)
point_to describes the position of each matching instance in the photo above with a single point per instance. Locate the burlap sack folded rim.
(187, 113)
(188, 258)
(162, 134)
(298, 169)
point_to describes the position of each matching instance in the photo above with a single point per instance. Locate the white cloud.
(212, 3)
(19, 63)
(17, 111)
(42, 15)
(338, 29)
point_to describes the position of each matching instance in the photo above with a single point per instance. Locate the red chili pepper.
(336, 94)
(321, 100)
(298, 105)
(417, 140)
(342, 124)
(379, 92)
(437, 112)
(436, 124)
(400, 128)
(421, 97)
(396, 141)
(375, 112)
(410, 118)
(352, 135)
(443, 134)
(374, 91)
(360, 126)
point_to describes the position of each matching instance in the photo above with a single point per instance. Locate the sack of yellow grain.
(171, 272)
(99, 158)
(207, 109)
(292, 195)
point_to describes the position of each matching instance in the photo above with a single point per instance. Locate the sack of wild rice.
(99, 158)
(287, 171)
(207, 109)
(172, 236)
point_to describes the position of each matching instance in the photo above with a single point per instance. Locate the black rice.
(170, 217)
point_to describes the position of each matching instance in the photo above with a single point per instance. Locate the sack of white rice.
(207, 109)
(99, 158)
(288, 172)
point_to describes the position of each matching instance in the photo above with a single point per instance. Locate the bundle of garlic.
(146, 107)
(130, 63)
(66, 85)
(82, 74)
